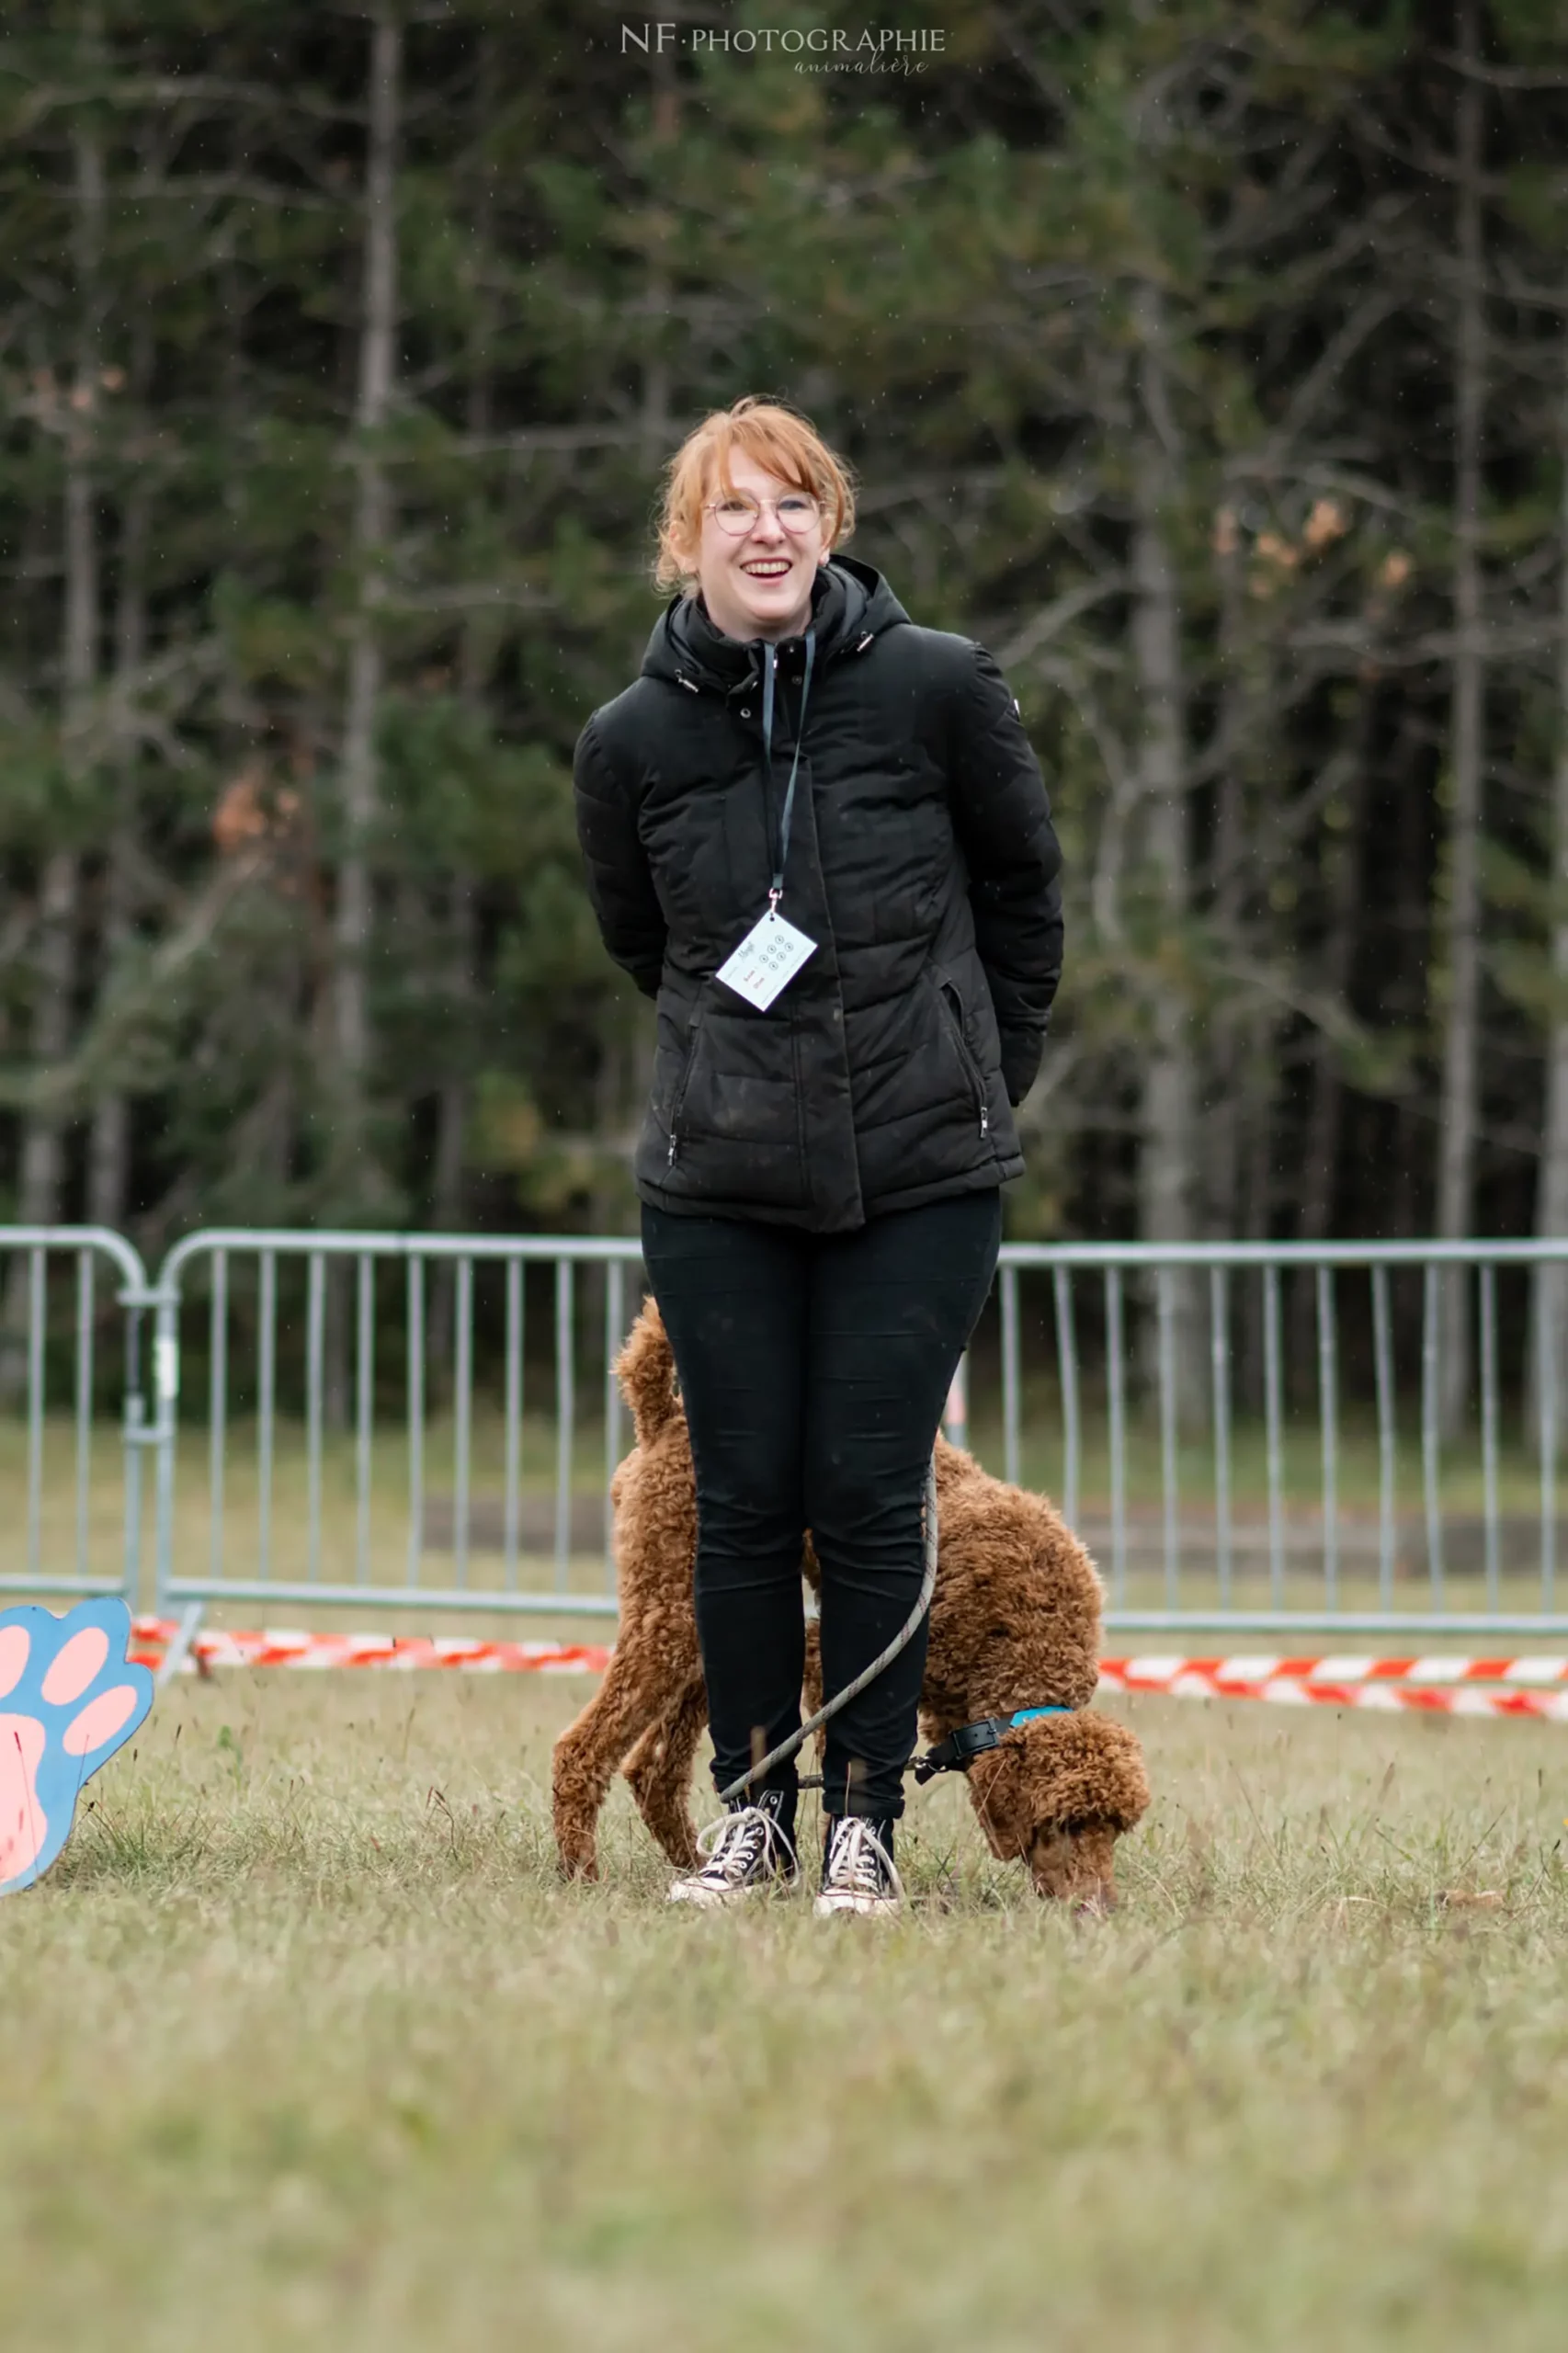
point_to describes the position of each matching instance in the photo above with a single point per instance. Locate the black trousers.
(813, 1370)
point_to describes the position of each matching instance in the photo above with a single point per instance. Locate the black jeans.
(814, 1369)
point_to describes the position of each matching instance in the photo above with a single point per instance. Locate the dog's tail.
(646, 1371)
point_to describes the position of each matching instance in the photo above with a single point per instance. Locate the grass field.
(302, 2045)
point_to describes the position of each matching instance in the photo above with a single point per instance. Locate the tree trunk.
(1221, 1140)
(656, 386)
(453, 1104)
(451, 1125)
(1551, 1191)
(108, 1141)
(1459, 1100)
(476, 654)
(42, 1155)
(1169, 1113)
(1258, 1087)
(1325, 1102)
(372, 529)
(41, 1161)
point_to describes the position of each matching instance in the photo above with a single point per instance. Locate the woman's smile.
(757, 583)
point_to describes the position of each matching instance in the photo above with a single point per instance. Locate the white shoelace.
(736, 1843)
(860, 1863)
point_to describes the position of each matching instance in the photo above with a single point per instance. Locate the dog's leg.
(659, 1767)
(659, 1770)
(589, 1751)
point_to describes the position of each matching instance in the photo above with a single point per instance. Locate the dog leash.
(953, 1754)
(901, 1641)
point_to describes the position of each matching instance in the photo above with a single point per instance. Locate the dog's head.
(1057, 1794)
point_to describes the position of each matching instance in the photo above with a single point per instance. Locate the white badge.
(767, 960)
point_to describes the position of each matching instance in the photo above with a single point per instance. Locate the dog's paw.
(69, 1698)
(576, 1854)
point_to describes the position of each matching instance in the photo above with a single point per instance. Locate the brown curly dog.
(1014, 1623)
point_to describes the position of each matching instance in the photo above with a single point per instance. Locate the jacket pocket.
(949, 1005)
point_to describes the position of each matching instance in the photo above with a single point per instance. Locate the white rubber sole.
(714, 1899)
(864, 1907)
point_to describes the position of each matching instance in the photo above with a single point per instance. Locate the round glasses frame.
(745, 513)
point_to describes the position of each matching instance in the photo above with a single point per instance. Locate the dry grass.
(302, 2045)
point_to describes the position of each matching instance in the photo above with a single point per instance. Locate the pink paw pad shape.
(69, 1698)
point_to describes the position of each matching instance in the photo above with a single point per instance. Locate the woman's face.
(757, 580)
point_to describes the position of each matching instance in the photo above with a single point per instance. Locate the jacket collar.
(851, 604)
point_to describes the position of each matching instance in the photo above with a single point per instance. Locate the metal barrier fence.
(1253, 1438)
(74, 1521)
(1356, 1562)
(359, 1310)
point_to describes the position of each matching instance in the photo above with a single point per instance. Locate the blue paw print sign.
(69, 1698)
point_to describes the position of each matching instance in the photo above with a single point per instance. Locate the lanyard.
(770, 662)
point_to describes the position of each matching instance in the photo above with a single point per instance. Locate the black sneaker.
(858, 1872)
(748, 1850)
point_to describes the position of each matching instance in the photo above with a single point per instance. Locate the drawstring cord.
(769, 672)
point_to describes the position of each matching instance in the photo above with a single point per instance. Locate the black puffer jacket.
(921, 860)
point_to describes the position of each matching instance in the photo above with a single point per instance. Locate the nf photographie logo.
(812, 49)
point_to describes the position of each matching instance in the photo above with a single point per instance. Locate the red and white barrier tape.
(1395, 1686)
(1238, 1678)
(281, 1647)
(1160, 1674)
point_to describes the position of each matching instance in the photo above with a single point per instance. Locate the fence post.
(165, 1297)
(29, 1518)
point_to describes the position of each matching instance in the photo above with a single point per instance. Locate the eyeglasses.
(797, 511)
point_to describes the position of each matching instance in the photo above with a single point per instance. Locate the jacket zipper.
(976, 1078)
(679, 1104)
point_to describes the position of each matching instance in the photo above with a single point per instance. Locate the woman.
(818, 837)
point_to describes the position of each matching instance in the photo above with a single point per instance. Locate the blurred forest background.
(1208, 363)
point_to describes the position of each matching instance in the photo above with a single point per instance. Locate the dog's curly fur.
(1015, 1623)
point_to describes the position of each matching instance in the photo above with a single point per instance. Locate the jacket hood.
(849, 601)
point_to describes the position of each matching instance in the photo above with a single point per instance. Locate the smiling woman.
(818, 837)
(754, 505)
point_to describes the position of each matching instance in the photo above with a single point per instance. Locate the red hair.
(771, 434)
